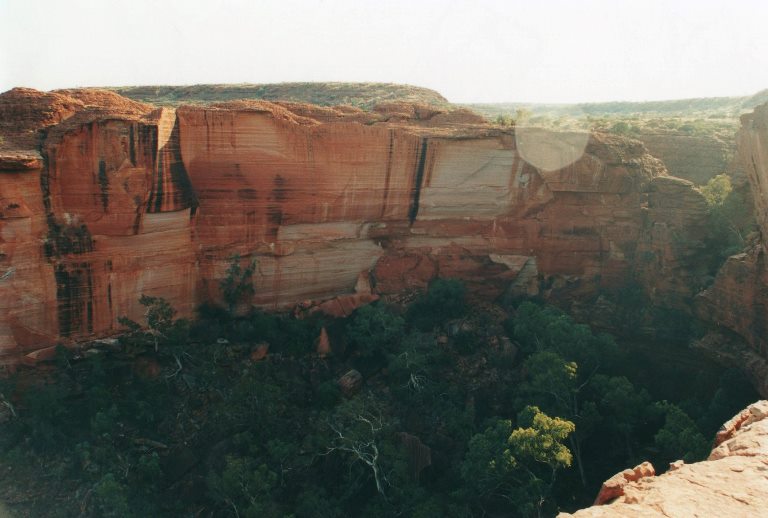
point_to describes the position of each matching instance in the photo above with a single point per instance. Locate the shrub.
(238, 284)
(162, 329)
(730, 218)
(620, 128)
(375, 329)
(444, 300)
(109, 498)
(243, 486)
(680, 437)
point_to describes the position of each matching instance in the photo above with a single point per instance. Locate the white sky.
(470, 51)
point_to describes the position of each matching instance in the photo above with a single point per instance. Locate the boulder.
(323, 345)
(260, 352)
(350, 383)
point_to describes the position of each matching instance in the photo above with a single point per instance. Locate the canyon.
(105, 199)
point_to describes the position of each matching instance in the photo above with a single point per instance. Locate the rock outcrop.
(732, 482)
(103, 199)
(694, 158)
(738, 299)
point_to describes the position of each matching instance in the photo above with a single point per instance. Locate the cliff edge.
(732, 482)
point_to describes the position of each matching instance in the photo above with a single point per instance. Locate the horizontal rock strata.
(104, 199)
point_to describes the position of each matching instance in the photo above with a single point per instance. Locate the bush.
(375, 330)
(680, 437)
(328, 394)
(717, 190)
(109, 498)
(465, 342)
(162, 329)
(730, 219)
(243, 486)
(446, 299)
(238, 284)
(621, 128)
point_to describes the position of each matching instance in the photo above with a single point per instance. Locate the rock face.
(694, 158)
(616, 486)
(103, 199)
(738, 298)
(732, 482)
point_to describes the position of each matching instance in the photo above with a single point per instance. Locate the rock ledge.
(732, 482)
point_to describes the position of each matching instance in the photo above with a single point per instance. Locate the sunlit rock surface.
(732, 482)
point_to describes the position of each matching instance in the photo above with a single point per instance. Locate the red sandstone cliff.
(104, 199)
(738, 299)
(694, 158)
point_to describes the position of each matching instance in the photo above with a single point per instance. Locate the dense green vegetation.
(466, 409)
(731, 217)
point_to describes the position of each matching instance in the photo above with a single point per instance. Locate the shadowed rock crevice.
(413, 210)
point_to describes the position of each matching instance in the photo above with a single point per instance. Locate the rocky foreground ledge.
(732, 482)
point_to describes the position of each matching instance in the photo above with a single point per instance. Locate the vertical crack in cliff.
(74, 293)
(104, 184)
(389, 172)
(132, 145)
(413, 210)
(156, 196)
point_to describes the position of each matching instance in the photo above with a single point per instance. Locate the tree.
(680, 437)
(522, 115)
(734, 393)
(488, 466)
(730, 216)
(161, 326)
(541, 438)
(503, 119)
(550, 381)
(411, 369)
(717, 190)
(238, 283)
(357, 430)
(375, 329)
(554, 384)
(244, 485)
(621, 128)
(445, 300)
(315, 502)
(623, 407)
(519, 466)
(109, 498)
(546, 328)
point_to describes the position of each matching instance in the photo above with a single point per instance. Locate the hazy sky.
(481, 51)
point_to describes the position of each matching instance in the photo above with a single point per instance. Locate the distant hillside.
(362, 95)
(705, 106)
